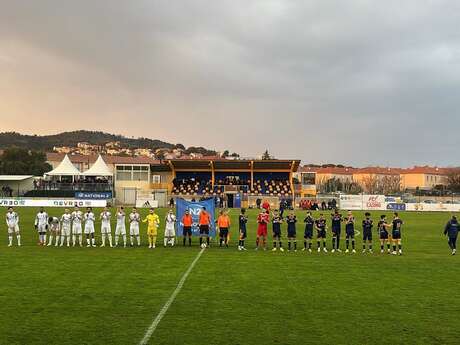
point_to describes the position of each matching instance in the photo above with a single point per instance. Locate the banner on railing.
(362, 202)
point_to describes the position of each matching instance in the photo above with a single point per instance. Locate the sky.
(355, 82)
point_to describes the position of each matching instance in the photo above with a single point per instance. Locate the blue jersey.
(336, 222)
(350, 224)
(291, 221)
(276, 222)
(321, 224)
(309, 223)
(397, 223)
(451, 228)
(243, 220)
(367, 225)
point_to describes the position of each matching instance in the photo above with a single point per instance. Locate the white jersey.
(12, 220)
(105, 218)
(41, 221)
(77, 217)
(66, 220)
(170, 221)
(121, 219)
(54, 224)
(134, 218)
(89, 222)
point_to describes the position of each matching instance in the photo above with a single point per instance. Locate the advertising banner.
(93, 195)
(6, 202)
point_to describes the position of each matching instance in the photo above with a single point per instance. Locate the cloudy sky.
(356, 82)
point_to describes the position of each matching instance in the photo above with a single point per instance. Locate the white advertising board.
(7, 202)
(146, 202)
(362, 202)
(437, 207)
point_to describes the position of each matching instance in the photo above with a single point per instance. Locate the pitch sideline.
(156, 321)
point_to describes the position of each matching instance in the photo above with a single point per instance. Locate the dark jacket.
(451, 228)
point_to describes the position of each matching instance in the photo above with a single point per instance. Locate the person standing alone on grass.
(262, 220)
(336, 225)
(187, 222)
(308, 233)
(90, 219)
(291, 221)
(223, 222)
(170, 229)
(451, 230)
(367, 232)
(243, 220)
(153, 222)
(350, 232)
(204, 222)
(12, 223)
(134, 220)
(396, 234)
(41, 225)
(276, 225)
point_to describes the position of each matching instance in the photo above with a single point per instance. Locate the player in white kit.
(90, 219)
(66, 223)
(120, 230)
(106, 229)
(77, 219)
(170, 229)
(134, 220)
(41, 225)
(12, 223)
(55, 230)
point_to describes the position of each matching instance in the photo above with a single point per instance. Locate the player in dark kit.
(308, 234)
(243, 219)
(367, 232)
(382, 227)
(350, 232)
(291, 221)
(336, 226)
(321, 232)
(276, 224)
(451, 230)
(396, 234)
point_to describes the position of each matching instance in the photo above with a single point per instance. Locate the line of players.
(70, 227)
(320, 225)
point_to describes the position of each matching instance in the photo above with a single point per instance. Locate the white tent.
(99, 168)
(65, 168)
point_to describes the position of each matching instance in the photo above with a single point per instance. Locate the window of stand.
(132, 173)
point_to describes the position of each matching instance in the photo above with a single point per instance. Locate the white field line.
(156, 321)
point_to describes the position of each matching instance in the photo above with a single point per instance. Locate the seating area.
(271, 184)
(192, 184)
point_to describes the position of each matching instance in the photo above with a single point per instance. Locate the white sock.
(51, 239)
(131, 239)
(93, 241)
(74, 239)
(124, 240)
(116, 240)
(87, 241)
(138, 240)
(62, 240)
(68, 240)
(57, 240)
(103, 239)
(18, 237)
(172, 241)
(80, 239)
(44, 238)
(165, 241)
(10, 240)
(110, 239)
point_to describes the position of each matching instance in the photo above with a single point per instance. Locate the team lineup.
(71, 226)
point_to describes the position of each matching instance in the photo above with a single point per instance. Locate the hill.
(47, 142)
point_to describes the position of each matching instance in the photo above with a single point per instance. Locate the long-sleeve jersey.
(90, 218)
(451, 228)
(121, 219)
(66, 220)
(77, 217)
(12, 219)
(105, 217)
(41, 219)
(134, 217)
(152, 220)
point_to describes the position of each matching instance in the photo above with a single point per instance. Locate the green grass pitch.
(111, 295)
